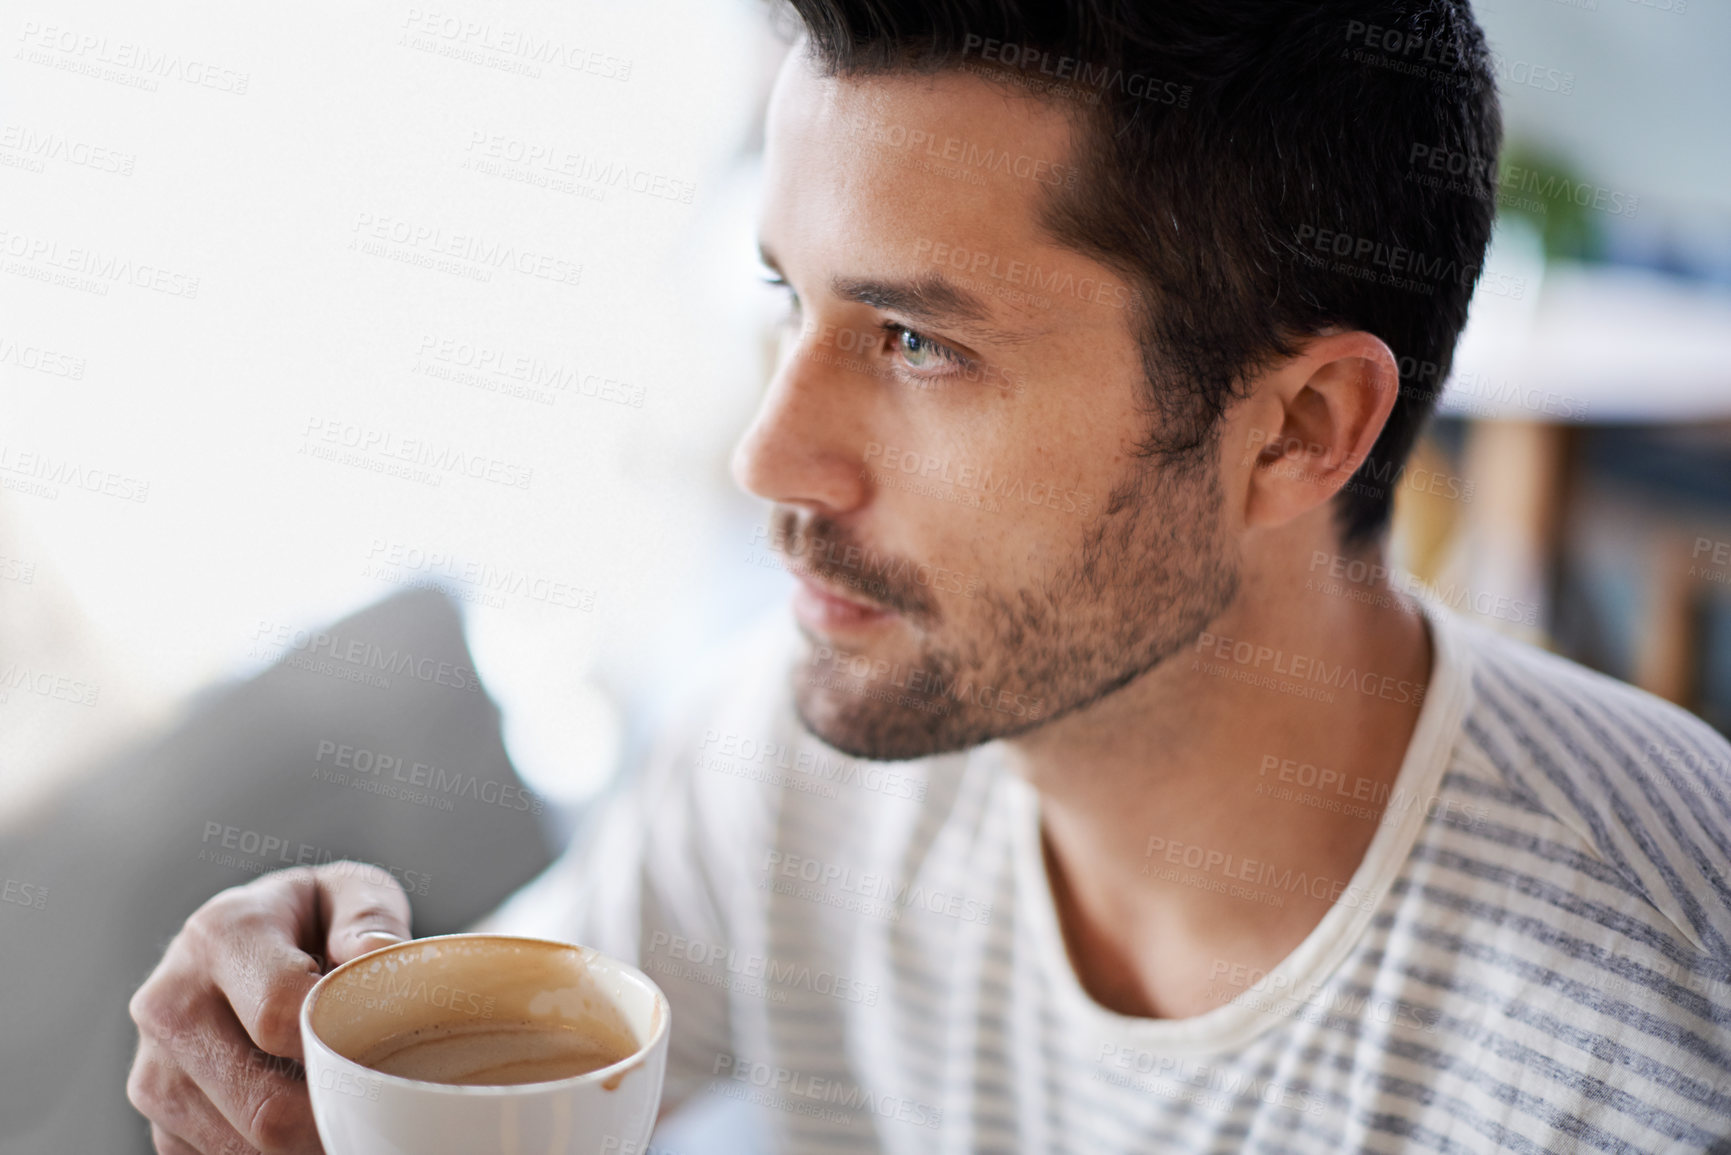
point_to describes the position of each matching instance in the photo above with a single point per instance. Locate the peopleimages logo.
(276, 639)
(94, 269)
(414, 457)
(256, 851)
(1513, 185)
(1357, 796)
(54, 472)
(931, 689)
(518, 373)
(1309, 669)
(960, 151)
(780, 975)
(1039, 280)
(135, 65)
(1369, 254)
(41, 360)
(23, 894)
(888, 893)
(838, 560)
(391, 775)
(1229, 1087)
(798, 1085)
(501, 45)
(492, 153)
(965, 475)
(1260, 873)
(402, 563)
(16, 677)
(1419, 47)
(36, 147)
(1362, 581)
(1073, 72)
(728, 751)
(374, 234)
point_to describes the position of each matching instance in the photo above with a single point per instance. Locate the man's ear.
(1311, 423)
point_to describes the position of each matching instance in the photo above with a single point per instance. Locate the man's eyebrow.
(929, 299)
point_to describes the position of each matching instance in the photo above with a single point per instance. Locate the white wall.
(259, 156)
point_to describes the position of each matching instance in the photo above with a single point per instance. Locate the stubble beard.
(1152, 571)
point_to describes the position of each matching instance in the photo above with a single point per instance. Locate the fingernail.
(386, 938)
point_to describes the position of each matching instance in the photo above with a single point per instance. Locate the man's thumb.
(365, 909)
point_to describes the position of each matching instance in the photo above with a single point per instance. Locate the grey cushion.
(133, 847)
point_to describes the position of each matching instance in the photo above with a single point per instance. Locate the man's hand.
(219, 1047)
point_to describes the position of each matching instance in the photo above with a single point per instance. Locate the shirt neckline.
(1315, 959)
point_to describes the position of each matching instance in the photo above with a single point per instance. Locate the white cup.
(460, 977)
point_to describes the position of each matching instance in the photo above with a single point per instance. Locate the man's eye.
(777, 282)
(921, 352)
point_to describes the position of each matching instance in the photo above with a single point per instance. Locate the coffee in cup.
(488, 1054)
(472, 1043)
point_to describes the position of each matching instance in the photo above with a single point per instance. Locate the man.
(1177, 828)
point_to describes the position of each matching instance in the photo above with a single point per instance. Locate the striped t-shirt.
(1533, 955)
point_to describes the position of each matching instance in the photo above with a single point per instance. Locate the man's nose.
(803, 448)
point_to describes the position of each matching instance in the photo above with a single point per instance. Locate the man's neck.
(1176, 811)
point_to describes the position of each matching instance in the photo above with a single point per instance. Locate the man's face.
(949, 435)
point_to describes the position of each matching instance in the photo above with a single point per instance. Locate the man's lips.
(825, 609)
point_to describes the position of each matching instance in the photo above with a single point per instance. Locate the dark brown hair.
(1248, 165)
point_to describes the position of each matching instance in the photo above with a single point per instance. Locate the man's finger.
(179, 1112)
(254, 940)
(364, 909)
(261, 1096)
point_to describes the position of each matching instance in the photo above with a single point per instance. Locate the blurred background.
(367, 380)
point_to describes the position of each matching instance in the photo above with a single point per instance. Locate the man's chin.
(885, 724)
(876, 735)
